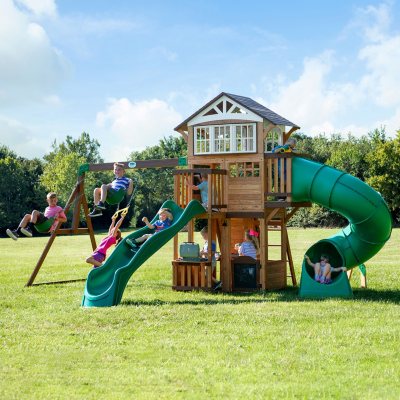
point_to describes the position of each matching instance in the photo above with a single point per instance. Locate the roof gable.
(242, 108)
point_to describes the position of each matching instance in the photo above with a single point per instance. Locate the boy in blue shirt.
(114, 191)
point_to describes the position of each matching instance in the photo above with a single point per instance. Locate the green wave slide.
(370, 222)
(105, 285)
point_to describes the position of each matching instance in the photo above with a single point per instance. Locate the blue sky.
(128, 72)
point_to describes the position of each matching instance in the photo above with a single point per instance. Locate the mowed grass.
(161, 344)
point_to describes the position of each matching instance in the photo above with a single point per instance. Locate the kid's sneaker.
(12, 234)
(100, 206)
(27, 232)
(131, 243)
(95, 213)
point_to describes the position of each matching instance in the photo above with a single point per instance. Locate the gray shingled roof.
(248, 103)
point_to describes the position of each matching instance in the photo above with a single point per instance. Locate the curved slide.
(370, 222)
(106, 284)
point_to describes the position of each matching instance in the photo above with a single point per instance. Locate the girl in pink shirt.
(114, 237)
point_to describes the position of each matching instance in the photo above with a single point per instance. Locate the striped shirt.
(120, 183)
(248, 249)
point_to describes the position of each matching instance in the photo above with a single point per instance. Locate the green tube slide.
(370, 222)
(105, 285)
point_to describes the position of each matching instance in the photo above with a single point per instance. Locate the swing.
(44, 226)
(119, 195)
(115, 196)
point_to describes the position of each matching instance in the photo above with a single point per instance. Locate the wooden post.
(225, 263)
(73, 195)
(263, 251)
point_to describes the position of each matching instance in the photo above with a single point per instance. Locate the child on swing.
(114, 191)
(52, 215)
(114, 237)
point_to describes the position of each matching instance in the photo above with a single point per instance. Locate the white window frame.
(202, 141)
(229, 143)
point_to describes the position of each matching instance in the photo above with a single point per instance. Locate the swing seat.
(45, 226)
(115, 196)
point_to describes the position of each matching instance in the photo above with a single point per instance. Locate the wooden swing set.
(77, 200)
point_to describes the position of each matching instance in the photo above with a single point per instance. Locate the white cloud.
(321, 99)
(309, 100)
(135, 125)
(40, 7)
(21, 139)
(372, 21)
(382, 61)
(31, 67)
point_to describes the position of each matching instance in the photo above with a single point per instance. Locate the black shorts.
(41, 218)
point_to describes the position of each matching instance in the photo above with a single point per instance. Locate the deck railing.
(278, 176)
(183, 191)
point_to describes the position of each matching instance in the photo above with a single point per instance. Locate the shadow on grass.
(387, 296)
(286, 296)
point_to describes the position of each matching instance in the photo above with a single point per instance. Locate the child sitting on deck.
(250, 246)
(114, 237)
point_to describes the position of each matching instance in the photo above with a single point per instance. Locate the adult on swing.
(112, 192)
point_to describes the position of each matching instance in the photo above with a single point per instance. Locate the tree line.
(373, 158)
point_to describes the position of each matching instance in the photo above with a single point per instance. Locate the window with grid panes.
(229, 138)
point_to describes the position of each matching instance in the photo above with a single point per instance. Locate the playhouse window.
(202, 140)
(244, 169)
(244, 138)
(235, 138)
(222, 139)
(273, 139)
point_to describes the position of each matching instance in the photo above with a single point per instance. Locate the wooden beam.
(286, 136)
(245, 214)
(271, 215)
(291, 213)
(166, 163)
(200, 171)
(184, 134)
(267, 129)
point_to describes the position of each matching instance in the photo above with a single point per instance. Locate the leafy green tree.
(83, 146)
(61, 168)
(21, 191)
(60, 174)
(350, 156)
(384, 176)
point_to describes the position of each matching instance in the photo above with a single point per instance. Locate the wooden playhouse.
(231, 139)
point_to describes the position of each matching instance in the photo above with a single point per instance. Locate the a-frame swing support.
(78, 198)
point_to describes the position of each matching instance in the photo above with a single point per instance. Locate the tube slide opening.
(329, 249)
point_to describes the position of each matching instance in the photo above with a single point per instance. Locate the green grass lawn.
(161, 344)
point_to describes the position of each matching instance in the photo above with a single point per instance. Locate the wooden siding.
(244, 194)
